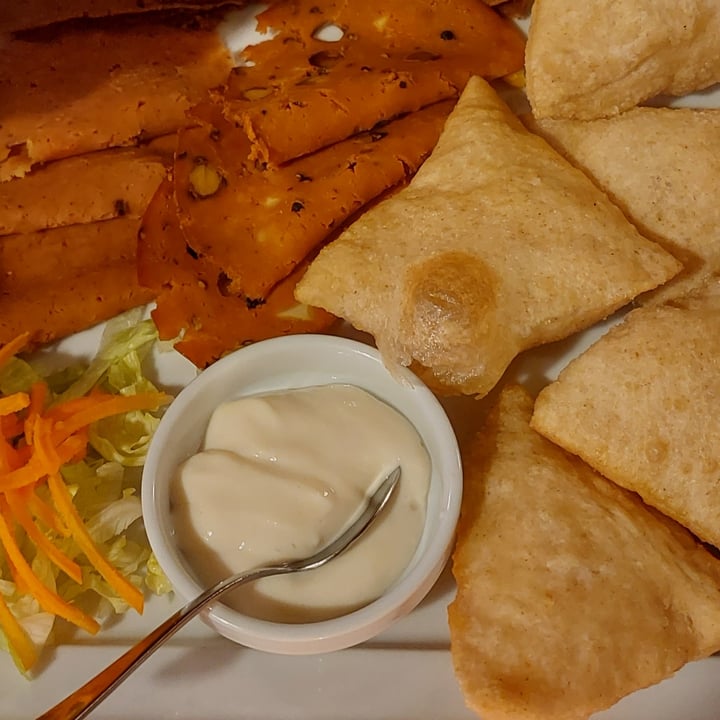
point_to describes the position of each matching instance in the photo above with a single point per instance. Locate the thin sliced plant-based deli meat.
(18, 15)
(192, 304)
(57, 282)
(258, 225)
(392, 58)
(497, 245)
(667, 183)
(596, 59)
(78, 90)
(211, 324)
(640, 406)
(82, 189)
(331, 111)
(571, 592)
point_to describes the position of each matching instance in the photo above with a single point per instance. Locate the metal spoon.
(89, 696)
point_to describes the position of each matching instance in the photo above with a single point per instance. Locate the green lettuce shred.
(105, 485)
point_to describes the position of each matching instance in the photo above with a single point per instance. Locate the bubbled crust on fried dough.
(661, 166)
(641, 406)
(571, 592)
(497, 245)
(596, 59)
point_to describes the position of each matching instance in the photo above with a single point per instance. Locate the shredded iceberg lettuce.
(104, 486)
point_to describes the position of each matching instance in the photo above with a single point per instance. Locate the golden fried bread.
(79, 89)
(641, 406)
(666, 184)
(595, 59)
(571, 592)
(497, 245)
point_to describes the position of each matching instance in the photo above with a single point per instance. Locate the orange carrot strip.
(68, 408)
(64, 504)
(20, 584)
(11, 426)
(12, 348)
(9, 458)
(45, 448)
(49, 600)
(107, 405)
(14, 403)
(42, 510)
(17, 638)
(38, 395)
(35, 468)
(42, 542)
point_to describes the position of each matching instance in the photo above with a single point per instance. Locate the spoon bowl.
(89, 696)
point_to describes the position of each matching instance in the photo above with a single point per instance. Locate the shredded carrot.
(37, 438)
(18, 639)
(49, 600)
(106, 405)
(42, 542)
(11, 426)
(9, 350)
(63, 502)
(14, 403)
(42, 511)
(20, 584)
(38, 396)
(8, 456)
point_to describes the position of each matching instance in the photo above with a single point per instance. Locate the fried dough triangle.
(666, 186)
(641, 406)
(595, 59)
(571, 592)
(497, 245)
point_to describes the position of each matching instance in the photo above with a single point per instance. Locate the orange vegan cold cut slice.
(85, 188)
(192, 304)
(25, 14)
(58, 282)
(76, 89)
(258, 225)
(301, 92)
(335, 98)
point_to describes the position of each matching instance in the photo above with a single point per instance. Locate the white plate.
(405, 673)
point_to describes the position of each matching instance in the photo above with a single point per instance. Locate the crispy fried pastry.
(641, 404)
(497, 245)
(571, 592)
(595, 59)
(666, 184)
(76, 90)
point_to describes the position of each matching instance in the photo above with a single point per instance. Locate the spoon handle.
(86, 698)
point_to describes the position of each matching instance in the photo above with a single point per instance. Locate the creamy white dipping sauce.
(279, 476)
